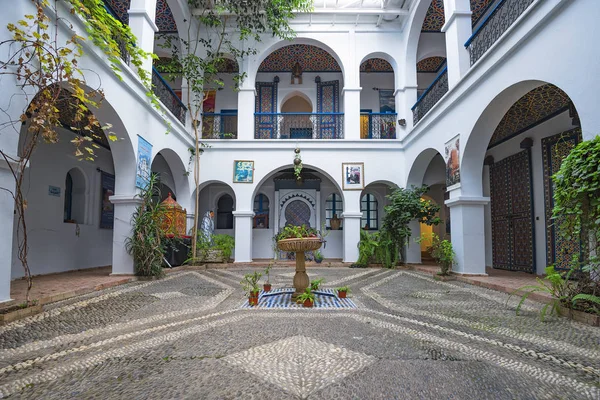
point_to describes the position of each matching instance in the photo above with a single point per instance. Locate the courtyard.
(192, 336)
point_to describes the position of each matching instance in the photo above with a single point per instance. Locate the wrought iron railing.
(433, 94)
(299, 126)
(167, 96)
(120, 43)
(378, 125)
(497, 22)
(219, 126)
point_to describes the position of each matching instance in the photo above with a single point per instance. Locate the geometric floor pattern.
(299, 364)
(402, 335)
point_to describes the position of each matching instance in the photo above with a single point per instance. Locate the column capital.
(349, 214)
(242, 214)
(247, 89)
(456, 14)
(125, 199)
(144, 13)
(467, 201)
(351, 89)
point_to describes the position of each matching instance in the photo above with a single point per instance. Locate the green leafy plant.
(225, 243)
(250, 283)
(318, 256)
(405, 206)
(292, 231)
(316, 283)
(441, 251)
(146, 243)
(267, 272)
(557, 286)
(343, 289)
(297, 164)
(367, 246)
(307, 295)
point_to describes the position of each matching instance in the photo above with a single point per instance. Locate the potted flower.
(343, 291)
(316, 284)
(318, 257)
(307, 298)
(298, 239)
(250, 286)
(267, 284)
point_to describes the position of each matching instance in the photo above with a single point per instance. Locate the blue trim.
(370, 199)
(484, 23)
(227, 114)
(169, 87)
(299, 113)
(430, 86)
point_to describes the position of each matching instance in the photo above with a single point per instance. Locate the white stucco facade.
(527, 55)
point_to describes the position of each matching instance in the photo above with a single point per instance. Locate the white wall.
(551, 127)
(54, 244)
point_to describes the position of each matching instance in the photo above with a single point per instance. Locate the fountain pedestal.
(299, 246)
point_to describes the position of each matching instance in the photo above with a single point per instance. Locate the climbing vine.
(43, 61)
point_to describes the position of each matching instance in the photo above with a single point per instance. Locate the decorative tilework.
(311, 59)
(228, 66)
(164, 17)
(554, 150)
(265, 102)
(431, 64)
(328, 102)
(536, 106)
(434, 19)
(297, 213)
(376, 65)
(512, 213)
(282, 298)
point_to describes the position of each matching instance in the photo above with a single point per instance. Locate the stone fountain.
(299, 246)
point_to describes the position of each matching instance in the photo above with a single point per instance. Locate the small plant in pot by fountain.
(343, 291)
(267, 284)
(316, 284)
(307, 298)
(250, 286)
(318, 257)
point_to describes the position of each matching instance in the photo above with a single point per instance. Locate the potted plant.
(250, 286)
(307, 298)
(343, 291)
(318, 257)
(316, 284)
(267, 284)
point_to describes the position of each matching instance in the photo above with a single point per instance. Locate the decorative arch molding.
(419, 166)
(312, 218)
(298, 93)
(255, 64)
(298, 195)
(164, 17)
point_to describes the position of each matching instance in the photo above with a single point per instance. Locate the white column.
(243, 236)
(141, 21)
(405, 97)
(125, 205)
(457, 30)
(352, 113)
(246, 98)
(468, 234)
(413, 249)
(351, 235)
(7, 206)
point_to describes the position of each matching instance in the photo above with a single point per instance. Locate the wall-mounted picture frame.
(353, 176)
(452, 159)
(243, 171)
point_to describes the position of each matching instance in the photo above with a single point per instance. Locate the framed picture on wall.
(353, 176)
(243, 171)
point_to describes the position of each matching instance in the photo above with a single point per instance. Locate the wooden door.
(512, 213)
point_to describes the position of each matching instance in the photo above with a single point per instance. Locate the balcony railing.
(378, 125)
(433, 94)
(167, 96)
(219, 126)
(497, 22)
(298, 126)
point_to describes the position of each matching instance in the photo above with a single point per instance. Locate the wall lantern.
(402, 122)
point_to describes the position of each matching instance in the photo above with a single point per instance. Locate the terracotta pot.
(308, 303)
(342, 295)
(253, 299)
(335, 223)
(267, 287)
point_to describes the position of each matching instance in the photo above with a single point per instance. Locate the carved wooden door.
(512, 213)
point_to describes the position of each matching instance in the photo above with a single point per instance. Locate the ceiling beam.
(344, 11)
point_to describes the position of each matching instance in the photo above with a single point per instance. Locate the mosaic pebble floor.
(281, 298)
